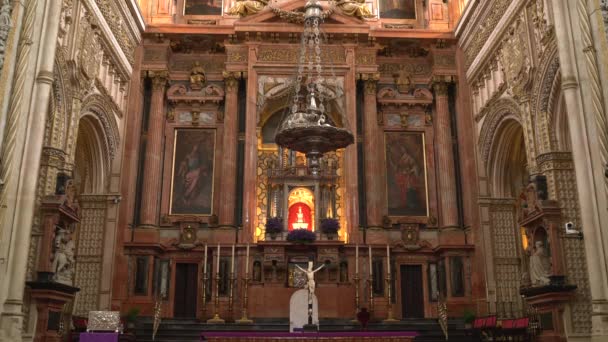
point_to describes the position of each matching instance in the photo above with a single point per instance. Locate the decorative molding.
(5, 26)
(501, 109)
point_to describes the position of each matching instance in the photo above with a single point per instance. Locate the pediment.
(268, 17)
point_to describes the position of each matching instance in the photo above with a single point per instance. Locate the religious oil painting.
(192, 183)
(406, 174)
(203, 7)
(397, 9)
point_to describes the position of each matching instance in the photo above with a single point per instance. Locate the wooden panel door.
(186, 290)
(412, 294)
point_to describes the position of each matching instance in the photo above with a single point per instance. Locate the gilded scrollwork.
(244, 8)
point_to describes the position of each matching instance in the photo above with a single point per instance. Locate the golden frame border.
(426, 181)
(175, 132)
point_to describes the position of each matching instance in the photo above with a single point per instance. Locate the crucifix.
(310, 275)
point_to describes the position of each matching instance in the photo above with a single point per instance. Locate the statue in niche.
(63, 256)
(310, 275)
(403, 81)
(244, 8)
(197, 76)
(540, 265)
(354, 8)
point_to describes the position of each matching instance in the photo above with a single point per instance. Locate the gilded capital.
(231, 79)
(440, 88)
(370, 86)
(159, 79)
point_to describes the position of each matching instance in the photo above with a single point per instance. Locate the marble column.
(31, 107)
(229, 157)
(154, 144)
(445, 157)
(351, 198)
(371, 143)
(576, 87)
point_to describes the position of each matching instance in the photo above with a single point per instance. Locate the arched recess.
(95, 144)
(508, 160)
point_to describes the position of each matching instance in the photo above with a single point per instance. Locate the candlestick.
(205, 260)
(388, 259)
(357, 259)
(232, 261)
(370, 260)
(247, 261)
(244, 319)
(389, 318)
(218, 259)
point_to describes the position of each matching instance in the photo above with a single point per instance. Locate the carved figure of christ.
(310, 275)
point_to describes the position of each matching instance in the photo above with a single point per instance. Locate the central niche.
(301, 209)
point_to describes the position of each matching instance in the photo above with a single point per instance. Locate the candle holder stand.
(204, 299)
(356, 281)
(244, 319)
(216, 318)
(389, 318)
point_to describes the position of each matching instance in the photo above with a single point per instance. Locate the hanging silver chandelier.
(307, 128)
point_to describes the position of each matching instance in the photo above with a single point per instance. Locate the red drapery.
(293, 214)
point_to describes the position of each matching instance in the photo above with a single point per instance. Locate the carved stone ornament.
(516, 61)
(5, 26)
(244, 8)
(63, 261)
(410, 235)
(403, 81)
(197, 77)
(90, 53)
(354, 8)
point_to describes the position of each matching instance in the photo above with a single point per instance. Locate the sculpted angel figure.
(354, 8)
(310, 275)
(244, 8)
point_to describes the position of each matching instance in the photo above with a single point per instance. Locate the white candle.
(217, 270)
(205, 262)
(388, 259)
(232, 263)
(370, 260)
(247, 261)
(357, 259)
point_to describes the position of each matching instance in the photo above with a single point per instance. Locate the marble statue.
(540, 265)
(63, 256)
(197, 76)
(244, 8)
(355, 8)
(310, 275)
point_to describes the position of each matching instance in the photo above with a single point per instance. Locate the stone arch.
(507, 163)
(502, 109)
(548, 93)
(91, 164)
(99, 106)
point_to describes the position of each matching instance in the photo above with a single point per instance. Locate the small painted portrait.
(203, 7)
(192, 188)
(397, 9)
(405, 171)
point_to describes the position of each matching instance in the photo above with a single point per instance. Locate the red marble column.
(228, 177)
(445, 158)
(154, 143)
(371, 142)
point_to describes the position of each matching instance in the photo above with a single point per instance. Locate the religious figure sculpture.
(540, 265)
(310, 275)
(404, 81)
(244, 8)
(300, 224)
(355, 8)
(63, 256)
(197, 77)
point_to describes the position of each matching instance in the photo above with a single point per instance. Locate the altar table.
(379, 336)
(99, 337)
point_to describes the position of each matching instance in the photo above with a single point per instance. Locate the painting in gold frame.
(406, 178)
(397, 9)
(192, 171)
(203, 7)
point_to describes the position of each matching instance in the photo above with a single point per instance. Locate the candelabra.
(244, 319)
(356, 280)
(216, 318)
(389, 317)
(204, 299)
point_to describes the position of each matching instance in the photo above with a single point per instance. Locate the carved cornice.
(389, 96)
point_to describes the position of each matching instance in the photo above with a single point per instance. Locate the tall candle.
(232, 263)
(247, 260)
(217, 270)
(205, 262)
(370, 260)
(388, 259)
(357, 259)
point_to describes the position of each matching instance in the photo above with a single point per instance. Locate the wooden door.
(186, 294)
(412, 294)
